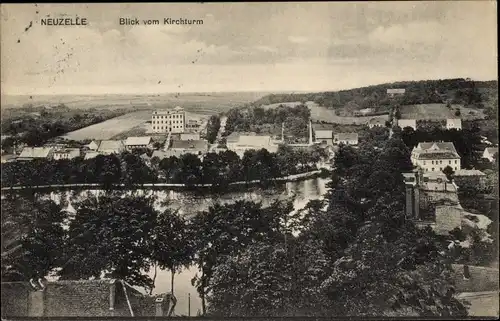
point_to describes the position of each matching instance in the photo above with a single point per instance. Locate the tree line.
(218, 169)
(352, 253)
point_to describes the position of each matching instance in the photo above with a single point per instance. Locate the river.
(188, 203)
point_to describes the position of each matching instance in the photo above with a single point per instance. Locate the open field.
(319, 113)
(111, 127)
(439, 111)
(201, 103)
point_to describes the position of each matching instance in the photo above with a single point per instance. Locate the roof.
(36, 152)
(491, 150)
(132, 141)
(90, 155)
(437, 155)
(190, 144)
(435, 175)
(406, 122)
(321, 134)
(454, 121)
(376, 121)
(67, 150)
(469, 172)
(235, 136)
(346, 136)
(111, 145)
(8, 157)
(436, 146)
(396, 90)
(246, 140)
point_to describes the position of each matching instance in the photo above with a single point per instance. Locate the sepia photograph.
(249, 160)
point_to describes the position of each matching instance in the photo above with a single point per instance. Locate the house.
(469, 177)
(197, 147)
(403, 123)
(392, 92)
(108, 147)
(31, 153)
(66, 153)
(193, 125)
(435, 156)
(324, 136)
(93, 145)
(193, 136)
(138, 142)
(454, 123)
(249, 142)
(489, 152)
(167, 154)
(346, 138)
(169, 121)
(78, 298)
(376, 122)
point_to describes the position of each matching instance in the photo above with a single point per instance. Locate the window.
(433, 169)
(440, 162)
(425, 162)
(449, 162)
(456, 168)
(455, 161)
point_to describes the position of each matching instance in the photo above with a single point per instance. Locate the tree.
(32, 236)
(213, 127)
(172, 246)
(448, 171)
(457, 112)
(112, 237)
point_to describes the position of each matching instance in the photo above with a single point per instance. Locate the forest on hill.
(481, 94)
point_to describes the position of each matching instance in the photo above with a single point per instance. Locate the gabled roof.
(133, 141)
(438, 155)
(430, 146)
(190, 144)
(469, 172)
(90, 155)
(491, 150)
(407, 122)
(346, 136)
(251, 141)
(376, 121)
(36, 152)
(73, 151)
(111, 145)
(324, 134)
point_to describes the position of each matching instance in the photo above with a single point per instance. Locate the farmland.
(439, 111)
(319, 113)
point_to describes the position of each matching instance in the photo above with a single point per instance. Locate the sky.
(244, 46)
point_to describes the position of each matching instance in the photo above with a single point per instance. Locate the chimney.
(159, 307)
(310, 133)
(112, 293)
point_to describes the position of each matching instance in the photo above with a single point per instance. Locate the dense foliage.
(218, 169)
(457, 91)
(213, 127)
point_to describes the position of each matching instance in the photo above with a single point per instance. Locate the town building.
(8, 158)
(469, 177)
(193, 125)
(324, 136)
(190, 136)
(78, 298)
(31, 153)
(455, 123)
(489, 152)
(376, 122)
(403, 123)
(435, 156)
(197, 147)
(108, 147)
(249, 142)
(392, 92)
(169, 121)
(346, 139)
(66, 153)
(90, 155)
(138, 142)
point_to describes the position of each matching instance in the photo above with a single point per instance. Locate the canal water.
(189, 203)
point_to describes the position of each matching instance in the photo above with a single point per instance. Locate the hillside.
(479, 94)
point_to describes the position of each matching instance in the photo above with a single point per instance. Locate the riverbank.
(176, 187)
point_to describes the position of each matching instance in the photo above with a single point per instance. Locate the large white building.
(240, 143)
(169, 121)
(435, 156)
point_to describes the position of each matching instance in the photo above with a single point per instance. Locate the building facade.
(324, 136)
(454, 123)
(138, 142)
(403, 123)
(67, 153)
(489, 153)
(435, 156)
(346, 139)
(169, 121)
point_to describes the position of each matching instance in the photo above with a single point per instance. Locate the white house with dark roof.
(403, 123)
(345, 138)
(138, 142)
(324, 136)
(454, 123)
(435, 156)
(489, 152)
(108, 147)
(31, 153)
